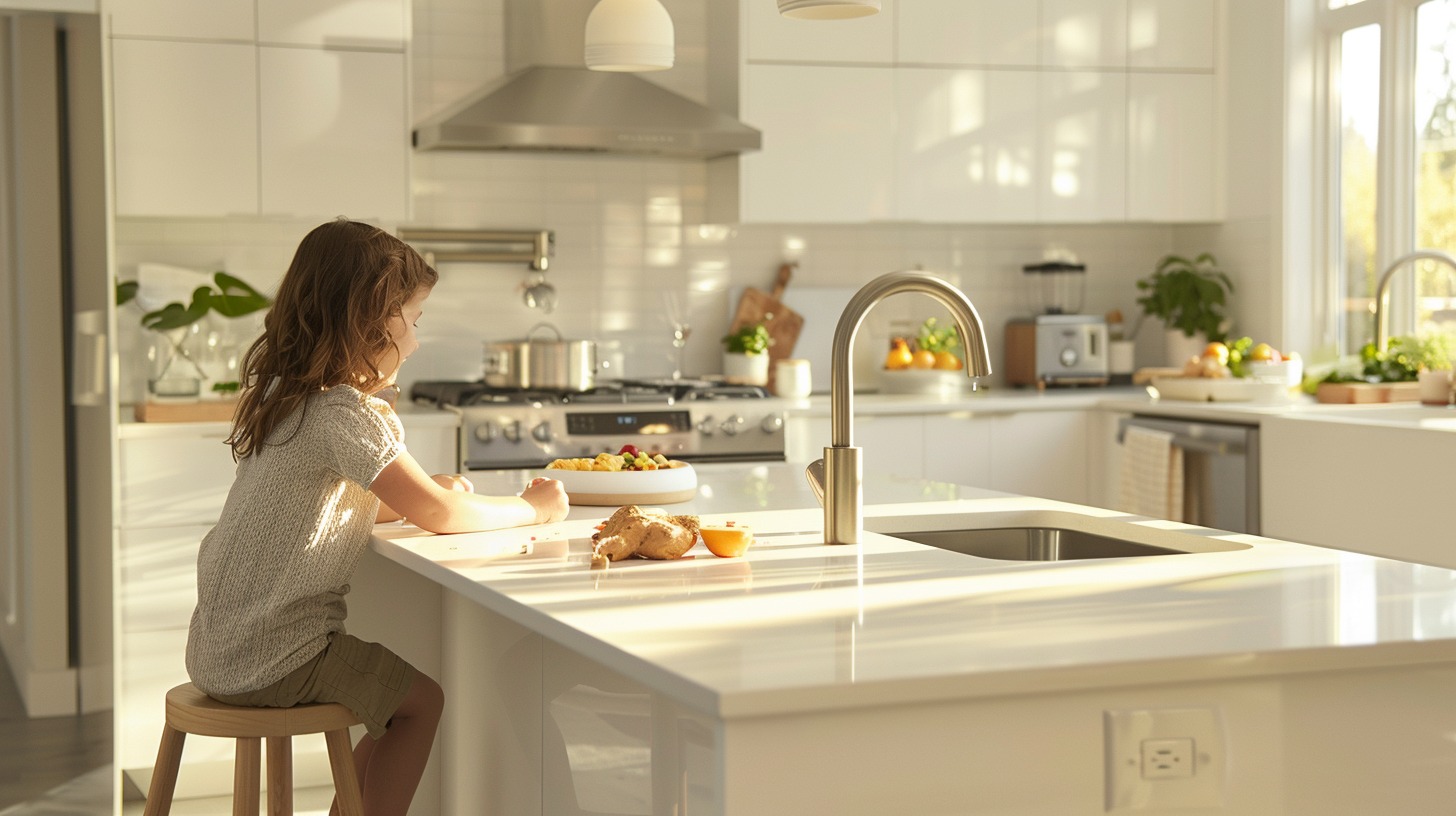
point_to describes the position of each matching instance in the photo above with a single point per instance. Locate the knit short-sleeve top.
(273, 573)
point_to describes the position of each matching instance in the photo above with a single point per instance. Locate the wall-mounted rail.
(534, 247)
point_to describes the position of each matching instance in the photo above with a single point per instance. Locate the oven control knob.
(512, 430)
(705, 425)
(486, 432)
(1069, 357)
(773, 423)
(542, 432)
(731, 425)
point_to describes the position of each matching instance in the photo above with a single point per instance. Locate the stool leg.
(246, 776)
(346, 781)
(164, 774)
(280, 776)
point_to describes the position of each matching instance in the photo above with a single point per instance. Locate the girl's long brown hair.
(328, 323)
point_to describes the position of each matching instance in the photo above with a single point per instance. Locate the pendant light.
(629, 35)
(828, 9)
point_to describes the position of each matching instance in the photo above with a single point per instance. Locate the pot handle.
(539, 326)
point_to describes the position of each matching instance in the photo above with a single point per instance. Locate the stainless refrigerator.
(57, 372)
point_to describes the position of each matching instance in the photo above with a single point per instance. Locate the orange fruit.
(945, 361)
(923, 359)
(726, 540)
(1218, 350)
(899, 357)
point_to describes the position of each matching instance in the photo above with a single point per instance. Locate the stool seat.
(189, 711)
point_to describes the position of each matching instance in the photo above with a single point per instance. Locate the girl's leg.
(390, 767)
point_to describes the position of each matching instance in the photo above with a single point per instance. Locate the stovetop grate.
(461, 393)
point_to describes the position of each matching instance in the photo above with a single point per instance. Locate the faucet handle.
(815, 474)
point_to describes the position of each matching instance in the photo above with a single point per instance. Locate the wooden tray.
(595, 488)
(194, 411)
(1358, 393)
(782, 323)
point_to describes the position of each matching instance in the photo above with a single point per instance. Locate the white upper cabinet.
(828, 144)
(183, 19)
(332, 123)
(331, 23)
(1172, 149)
(1084, 33)
(966, 145)
(1176, 34)
(1082, 149)
(186, 127)
(967, 32)
(771, 36)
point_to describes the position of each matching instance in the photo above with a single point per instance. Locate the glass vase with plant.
(176, 367)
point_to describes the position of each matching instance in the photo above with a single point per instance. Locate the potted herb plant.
(1188, 296)
(745, 355)
(178, 367)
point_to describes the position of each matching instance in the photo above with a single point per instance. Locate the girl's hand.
(548, 497)
(454, 481)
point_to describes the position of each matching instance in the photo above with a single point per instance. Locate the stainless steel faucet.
(837, 478)
(1382, 293)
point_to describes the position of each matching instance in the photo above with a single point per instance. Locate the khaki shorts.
(366, 677)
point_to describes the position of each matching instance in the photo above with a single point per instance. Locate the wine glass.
(681, 330)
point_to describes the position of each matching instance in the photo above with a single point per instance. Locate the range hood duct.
(549, 101)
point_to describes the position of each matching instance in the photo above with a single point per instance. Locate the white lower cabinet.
(1033, 453)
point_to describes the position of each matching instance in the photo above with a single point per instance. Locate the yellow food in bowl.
(726, 540)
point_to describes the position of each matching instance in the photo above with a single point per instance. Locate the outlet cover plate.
(1128, 734)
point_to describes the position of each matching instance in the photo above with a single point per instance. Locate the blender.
(1058, 346)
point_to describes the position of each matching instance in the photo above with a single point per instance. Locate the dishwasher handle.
(1194, 437)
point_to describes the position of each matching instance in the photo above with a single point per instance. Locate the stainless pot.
(553, 365)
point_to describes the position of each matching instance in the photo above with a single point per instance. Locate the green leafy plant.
(1187, 295)
(748, 340)
(231, 297)
(1402, 360)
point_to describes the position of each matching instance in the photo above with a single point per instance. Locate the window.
(1392, 73)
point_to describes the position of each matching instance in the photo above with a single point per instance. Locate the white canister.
(792, 379)
(1435, 387)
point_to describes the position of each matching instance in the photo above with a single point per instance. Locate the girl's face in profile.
(402, 332)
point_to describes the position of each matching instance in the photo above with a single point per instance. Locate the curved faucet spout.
(836, 479)
(1382, 295)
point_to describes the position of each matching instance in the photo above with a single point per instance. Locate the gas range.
(692, 420)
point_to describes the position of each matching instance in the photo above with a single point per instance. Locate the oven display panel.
(642, 423)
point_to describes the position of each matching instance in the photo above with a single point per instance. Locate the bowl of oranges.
(926, 364)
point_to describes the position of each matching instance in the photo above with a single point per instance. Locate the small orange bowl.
(726, 541)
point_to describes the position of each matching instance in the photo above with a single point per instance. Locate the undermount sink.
(1032, 544)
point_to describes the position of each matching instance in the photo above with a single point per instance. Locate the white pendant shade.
(828, 9)
(629, 35)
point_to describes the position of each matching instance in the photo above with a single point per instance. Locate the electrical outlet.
(1161, 758)
(1168, 758)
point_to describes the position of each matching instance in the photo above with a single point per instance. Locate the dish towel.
(1151, 479)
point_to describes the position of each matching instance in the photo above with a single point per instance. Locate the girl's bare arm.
(405, 488)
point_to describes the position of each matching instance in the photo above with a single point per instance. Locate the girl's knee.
(428, 697)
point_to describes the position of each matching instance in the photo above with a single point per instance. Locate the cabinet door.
(1178, 34)
(1172, 153)
(335, 24)
(966, 32)
(771, 36)
(828, 144)
(433, 445)
(1041, 453)
(157, 586)
(1084, 33)
(334, 133)
(893, 445)
(186, 128)
(1082, 151)
(175, 479)
(958, 449)
(966, 145)
(183, 19)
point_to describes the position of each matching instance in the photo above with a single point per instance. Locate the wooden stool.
(189, 711)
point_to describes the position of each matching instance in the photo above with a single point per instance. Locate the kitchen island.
(893, 677)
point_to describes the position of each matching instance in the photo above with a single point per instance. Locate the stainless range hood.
(549, 101)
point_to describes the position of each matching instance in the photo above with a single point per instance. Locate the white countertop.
(797, 625)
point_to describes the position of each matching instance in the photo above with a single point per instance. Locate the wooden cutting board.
(783, 324)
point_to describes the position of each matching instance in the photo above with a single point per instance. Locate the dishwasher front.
(1220, 470)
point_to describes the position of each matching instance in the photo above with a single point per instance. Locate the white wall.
(630, 229)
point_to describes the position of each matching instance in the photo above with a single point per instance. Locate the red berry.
(632, 449)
